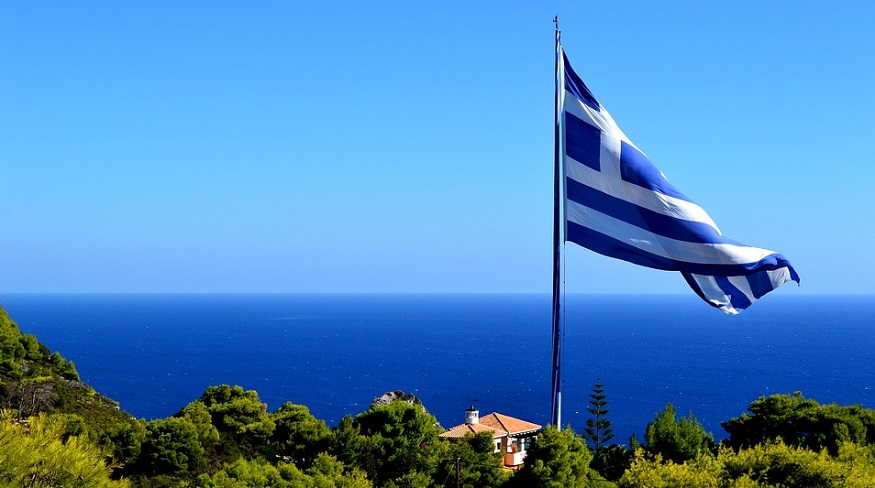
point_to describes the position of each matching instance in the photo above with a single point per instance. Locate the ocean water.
(335, 353)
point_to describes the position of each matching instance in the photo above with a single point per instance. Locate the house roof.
(499, 424)
(511, 425)
(461, 430)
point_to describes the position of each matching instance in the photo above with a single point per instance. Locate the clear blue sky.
(407, 146)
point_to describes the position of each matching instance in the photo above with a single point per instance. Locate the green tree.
(557, 459)
(125, 442)
(198, 414)
(773, 464)
(42, 453)
(326, 472)
(653, 472)
(348, 445)
(478, 463)
(612, 461)
(172, 447)
(11, 347)
(598, 429)
(777, 464)
(256, 473)
(298, 434)
(240, 417)
(801, 421)
(677, 439)
(402, 442)
(22, 356)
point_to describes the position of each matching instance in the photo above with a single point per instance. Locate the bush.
(676, 439)
(801, 421)
(172, 447)
(557, 459)
(43, 453)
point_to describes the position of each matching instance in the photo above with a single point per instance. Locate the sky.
(396, 147)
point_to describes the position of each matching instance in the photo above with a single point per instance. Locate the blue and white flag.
(620, 205)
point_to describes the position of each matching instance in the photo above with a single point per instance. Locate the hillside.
(33, 379)
(57, 431)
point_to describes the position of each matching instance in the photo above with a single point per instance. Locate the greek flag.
(620, 205)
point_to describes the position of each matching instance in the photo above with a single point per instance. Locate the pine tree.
(598, 429)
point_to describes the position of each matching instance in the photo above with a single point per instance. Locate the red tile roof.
(461, 430)
(508, 424)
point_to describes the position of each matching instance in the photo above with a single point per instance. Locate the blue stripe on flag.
(609, 246)
(738, 299)
(637, 169)
(682, 230)
(575, 85)
(583, 142)
(760, 283)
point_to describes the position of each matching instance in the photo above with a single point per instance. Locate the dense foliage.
(770, 464)
(557, 459)
(41, 453)
(802, 422)
(677, 440)
(56, 431)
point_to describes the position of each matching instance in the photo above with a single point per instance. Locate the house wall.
(522, 444)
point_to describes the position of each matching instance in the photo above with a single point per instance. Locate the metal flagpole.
(556, 418)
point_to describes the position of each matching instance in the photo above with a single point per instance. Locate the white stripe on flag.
(717, 254)
(614, 186)
(779, 276)
(743, 286)
(599, 119)
(714, 294)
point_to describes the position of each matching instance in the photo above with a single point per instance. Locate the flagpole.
(556, 416)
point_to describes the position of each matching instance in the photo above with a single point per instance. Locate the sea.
(155, 353)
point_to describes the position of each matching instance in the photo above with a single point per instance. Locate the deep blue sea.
(335, 353)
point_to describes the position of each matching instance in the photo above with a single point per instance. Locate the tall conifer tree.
(598, 429)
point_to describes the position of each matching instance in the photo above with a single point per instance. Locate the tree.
(31, 396)
(777, 464)
(198, 414)
(326, 472)
(11, 347)
(348, 445)
(402, 442)
(256, 473)
(801, 421)
(41, 453)
(653, 472)
(612, 461)
(124, 442)
(240, 417)
(22, 356)
(298, 434)
(172, 447)
(772, 464)
(557, 459)
(677, 439)
(479, 466)
(598, 429)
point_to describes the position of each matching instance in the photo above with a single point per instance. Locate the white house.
(512, 436)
